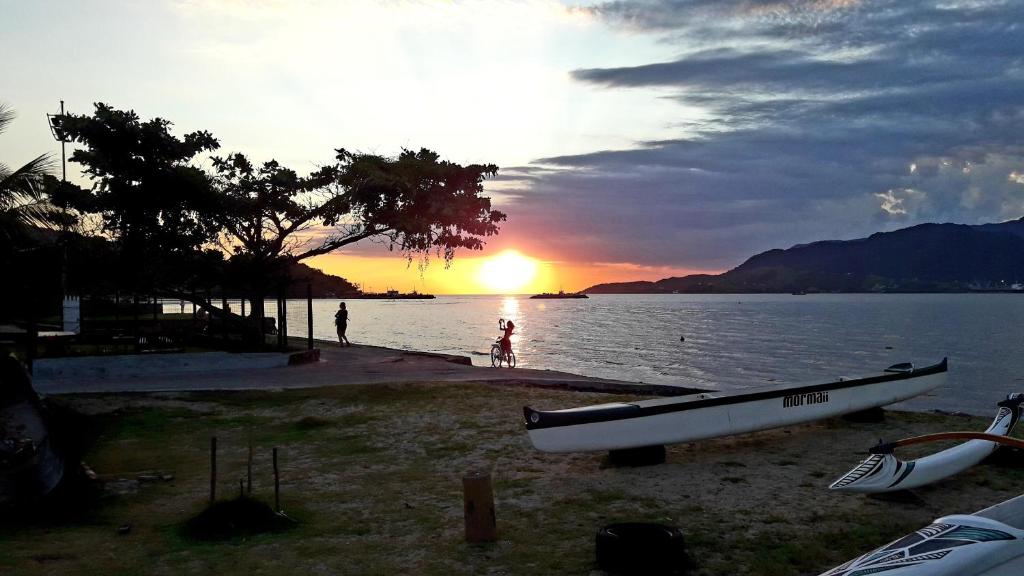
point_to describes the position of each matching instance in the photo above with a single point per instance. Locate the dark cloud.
(826, 119)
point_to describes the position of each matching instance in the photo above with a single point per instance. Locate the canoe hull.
(958, 545)
(685, 421)
(886, 473)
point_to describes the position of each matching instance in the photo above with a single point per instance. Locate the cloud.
(812, 114)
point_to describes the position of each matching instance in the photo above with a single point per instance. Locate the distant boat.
(561, 294)
(392, 295)
(624, 425)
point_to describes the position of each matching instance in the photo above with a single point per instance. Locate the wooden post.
(135, 323)
(224, 316)
(309, 315)
(280, 328)
(249, 465)
(284, 318)
(478, 508)
(31, 337)
(213, 469)
(277, 485)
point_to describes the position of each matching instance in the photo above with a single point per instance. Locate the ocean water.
(731, 341)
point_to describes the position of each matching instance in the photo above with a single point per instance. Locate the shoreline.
(337, 366)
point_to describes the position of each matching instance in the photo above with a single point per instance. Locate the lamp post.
(59, 135)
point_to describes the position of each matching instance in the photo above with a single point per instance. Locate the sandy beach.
(372, 473)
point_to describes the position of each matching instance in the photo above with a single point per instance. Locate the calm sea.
(731, 341)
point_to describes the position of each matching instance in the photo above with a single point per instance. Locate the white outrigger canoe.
(625, 425)
(986, 543)
(883, 472)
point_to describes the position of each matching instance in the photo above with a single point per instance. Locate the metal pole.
(213, 470)
(224, 314)
(135, 322)
(309, 315)
(64, 243)
(63, 156)
(277, 485)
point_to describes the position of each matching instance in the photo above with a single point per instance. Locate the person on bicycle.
(506, 340)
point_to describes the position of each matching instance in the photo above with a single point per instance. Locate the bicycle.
(498, 355)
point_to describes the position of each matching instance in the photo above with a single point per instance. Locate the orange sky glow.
(474, 274)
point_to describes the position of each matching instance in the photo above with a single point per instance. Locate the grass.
(372, 476)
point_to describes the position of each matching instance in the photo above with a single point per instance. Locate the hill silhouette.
(922, 258)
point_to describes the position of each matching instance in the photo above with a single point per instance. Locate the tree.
(164, 212)
(415, 202)
(24, 204)
(155, 204)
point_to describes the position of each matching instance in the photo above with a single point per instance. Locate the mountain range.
(922, 258)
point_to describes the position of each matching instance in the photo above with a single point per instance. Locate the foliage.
(416, 202)
(24, 204)
(154, 202)
(163, 211)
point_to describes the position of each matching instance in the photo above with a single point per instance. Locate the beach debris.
(124, 529)
(235, 518)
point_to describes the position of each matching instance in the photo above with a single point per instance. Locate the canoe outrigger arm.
(888, 447)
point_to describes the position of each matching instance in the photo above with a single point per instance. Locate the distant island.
(922, 258)
(559, 295)
(325, 285)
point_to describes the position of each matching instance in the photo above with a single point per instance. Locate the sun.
(507, 271)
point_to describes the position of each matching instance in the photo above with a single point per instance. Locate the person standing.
(341, 322)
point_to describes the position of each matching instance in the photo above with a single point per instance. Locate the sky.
(635, 139)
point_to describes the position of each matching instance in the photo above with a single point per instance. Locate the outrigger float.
(628, 425)
(986, 543)
(883, 472)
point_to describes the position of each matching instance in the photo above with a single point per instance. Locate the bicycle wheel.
(512, 360)
(495, 356)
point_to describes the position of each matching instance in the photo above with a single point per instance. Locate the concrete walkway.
(337, 366)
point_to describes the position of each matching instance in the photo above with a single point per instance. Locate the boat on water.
(392, 295)
(987, 543)
(883, 472)
(626, 425)
(560, 295)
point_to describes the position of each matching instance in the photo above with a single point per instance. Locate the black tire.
(511, 359)
(635, 457)
(642, 548)
(495, 356)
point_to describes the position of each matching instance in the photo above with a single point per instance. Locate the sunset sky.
(636, 139)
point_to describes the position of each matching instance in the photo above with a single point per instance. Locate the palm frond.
(6, 116)
(25, 183)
